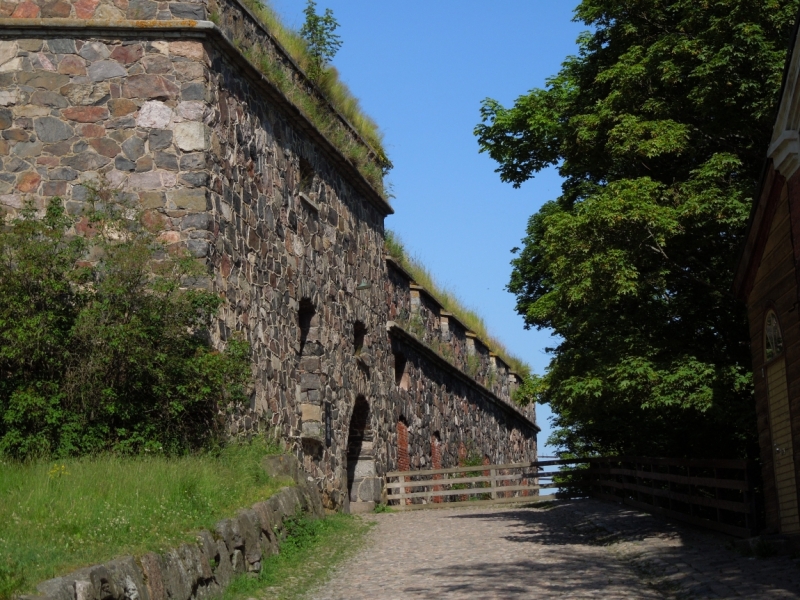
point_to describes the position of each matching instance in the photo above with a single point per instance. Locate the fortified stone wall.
(174, 118)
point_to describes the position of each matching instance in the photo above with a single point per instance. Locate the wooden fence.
(717, 494)
(479, 484)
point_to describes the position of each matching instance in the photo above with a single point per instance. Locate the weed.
(383, 508)
(473, 366)
(12, 578)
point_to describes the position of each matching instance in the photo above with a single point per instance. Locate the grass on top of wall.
(451, 303)
(372, 164)
(58, 516)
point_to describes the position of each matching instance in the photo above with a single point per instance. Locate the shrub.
(102, 347)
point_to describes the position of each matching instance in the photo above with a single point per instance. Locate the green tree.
(102, 346)
(659, 128)
(319, 33)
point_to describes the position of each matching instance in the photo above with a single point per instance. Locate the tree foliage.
(319, 32)
(659, 127)
(101, 345)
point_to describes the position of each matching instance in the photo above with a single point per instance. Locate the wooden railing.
(486, 484)
(717, 494)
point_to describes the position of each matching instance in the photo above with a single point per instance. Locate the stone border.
(181, 29)
(202, 569)
(394, 329)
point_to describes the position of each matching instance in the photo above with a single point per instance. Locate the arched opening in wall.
(304, 317)
(401, 377)
(361, 479)
(359, 332)
(306, 176)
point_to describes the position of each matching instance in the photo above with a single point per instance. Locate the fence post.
(493, 475)
(402, 479)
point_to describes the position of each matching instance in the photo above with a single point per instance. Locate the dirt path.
(583, 549)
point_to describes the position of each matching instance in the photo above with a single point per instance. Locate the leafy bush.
(102, 347)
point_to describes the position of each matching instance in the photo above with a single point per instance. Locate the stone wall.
(174, 119)
(202, 569)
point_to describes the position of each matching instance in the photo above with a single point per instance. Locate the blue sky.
(421, 70)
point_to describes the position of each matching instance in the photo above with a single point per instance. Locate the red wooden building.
(768, 280)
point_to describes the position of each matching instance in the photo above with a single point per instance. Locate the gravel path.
(580, 549)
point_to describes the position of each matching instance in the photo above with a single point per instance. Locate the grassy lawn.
(56, 516)
(305, 560)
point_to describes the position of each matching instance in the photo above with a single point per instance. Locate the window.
(401, 378)
(306, 176)
(359, 331)
(304, 318)
(773, 339)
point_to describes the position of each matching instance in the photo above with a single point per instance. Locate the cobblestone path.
(579, 549)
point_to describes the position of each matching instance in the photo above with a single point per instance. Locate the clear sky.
(421, 69)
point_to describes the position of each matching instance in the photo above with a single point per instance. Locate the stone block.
(191, 136)
(310, 381)
(46, 98)
(367, 490)
(152, 566)
(128, 577)
(151, 199)
(196, 221)
(223, 572)
(133, 147)
(238, 562)
(193, 161)
(63, 173)
(154, 114)
(27, 149)
(86, 161)
(312, 431)
(228, 530)
(94, 51)
(193, 91)
(60, 46)
(106, 69)
(197, 248)
(52, 129)
(177, 581)
(72, 65)
(149, 86)
(86, 114)
(187, 10)
(120, 107)
(127, 53)
(160, 139)
(311, 412)
(250, 529)
(188, 199)
(142, 9)
(166, 161)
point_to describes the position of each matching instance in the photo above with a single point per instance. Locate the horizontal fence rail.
(716, 494)
(487, 484)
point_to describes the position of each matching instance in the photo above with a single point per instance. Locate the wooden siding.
(775, 286)
(780, 419)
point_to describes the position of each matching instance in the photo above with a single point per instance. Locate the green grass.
(59, 516)
(305, 559)
(451, 303)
